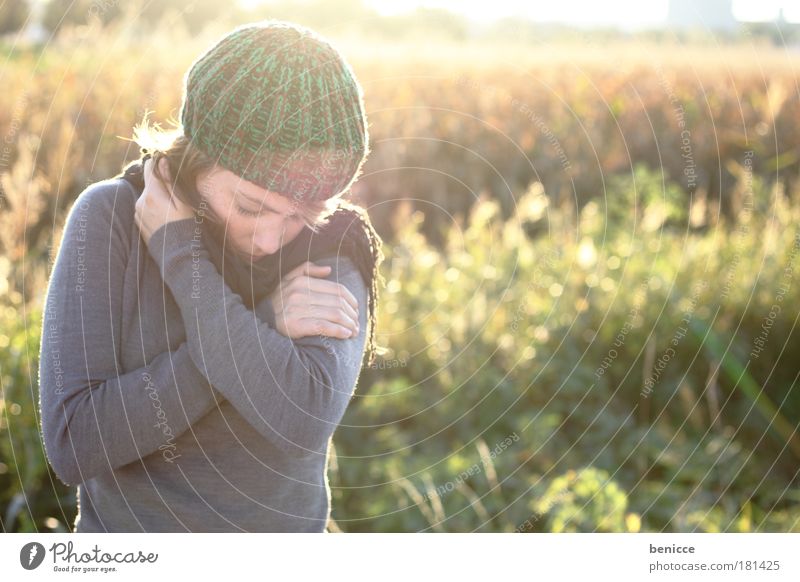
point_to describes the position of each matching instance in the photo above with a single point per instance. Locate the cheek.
(238, 228)
(292, 230)
(215, 206)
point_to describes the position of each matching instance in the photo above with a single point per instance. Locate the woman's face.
(258, 221)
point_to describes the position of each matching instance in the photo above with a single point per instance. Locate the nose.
(266, 241)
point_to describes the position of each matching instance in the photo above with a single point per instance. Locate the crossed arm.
(96, 418)
(294, 392)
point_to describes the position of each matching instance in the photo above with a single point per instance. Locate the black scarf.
(348, 232)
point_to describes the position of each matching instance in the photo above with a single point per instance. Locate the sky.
(625, 13)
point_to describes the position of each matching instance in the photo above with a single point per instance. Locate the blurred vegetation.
(550, 240)
(13, 16)
(499, 334)
(358, 17)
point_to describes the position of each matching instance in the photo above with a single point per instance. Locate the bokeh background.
(590, 214)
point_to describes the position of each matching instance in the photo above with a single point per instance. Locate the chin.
(251, 257)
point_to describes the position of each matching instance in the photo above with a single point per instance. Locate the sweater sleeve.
(95, 418)
(294, 392)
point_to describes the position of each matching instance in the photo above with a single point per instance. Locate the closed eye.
(246, 212)
(243, 211)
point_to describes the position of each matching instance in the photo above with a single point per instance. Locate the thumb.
(309, 268)
(319, 270)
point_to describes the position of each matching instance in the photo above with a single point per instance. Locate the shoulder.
(104, 203)
(112, 195)
(101, 215)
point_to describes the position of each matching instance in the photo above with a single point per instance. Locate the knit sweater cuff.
(174, 247)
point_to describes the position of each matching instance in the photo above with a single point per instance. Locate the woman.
(209, 307)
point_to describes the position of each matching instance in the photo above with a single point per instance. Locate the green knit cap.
(276, 104)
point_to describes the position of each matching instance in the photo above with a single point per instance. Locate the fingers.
(333, 288)
(333, 310)
(323, 327)
(163, 166)
(332, 300)
(307, 268)
(335, 315)
(312, 291)
(313, 282)
(146, 171)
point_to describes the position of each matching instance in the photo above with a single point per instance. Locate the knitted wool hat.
(276, 104)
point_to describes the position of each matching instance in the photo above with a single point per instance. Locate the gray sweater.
(166, 401)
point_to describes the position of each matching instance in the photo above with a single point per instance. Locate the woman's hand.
(156, 206)
(305, 304)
